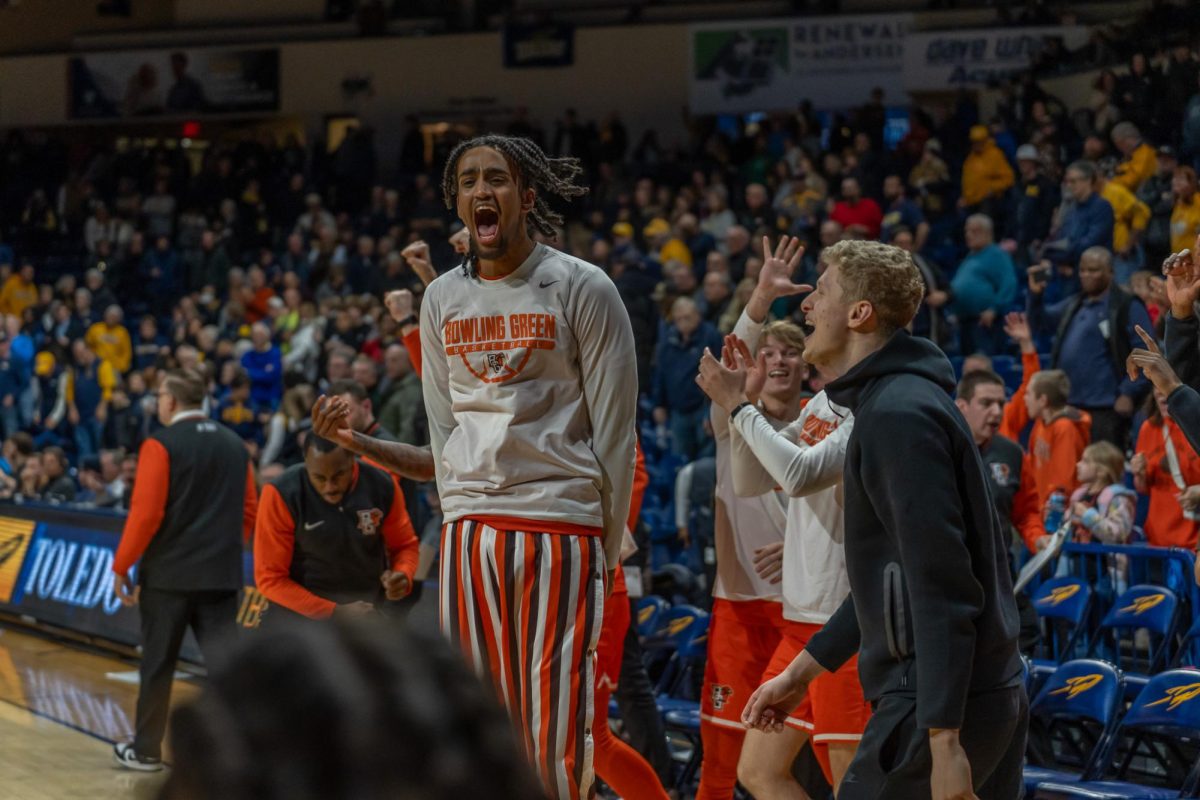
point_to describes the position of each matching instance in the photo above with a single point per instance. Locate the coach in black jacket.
(931, 610)
(194, 501)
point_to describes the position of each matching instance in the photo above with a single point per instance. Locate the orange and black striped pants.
(526, 609)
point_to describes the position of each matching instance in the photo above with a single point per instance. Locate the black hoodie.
(931, 610)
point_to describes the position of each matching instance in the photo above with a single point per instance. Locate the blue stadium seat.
(1067, 600)
(1155, 752)
(686, 722)
(1188, 654)
(650, 610)
(1145, 607)
(1071, 721)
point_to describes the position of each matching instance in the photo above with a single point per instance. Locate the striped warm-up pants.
(526, 608)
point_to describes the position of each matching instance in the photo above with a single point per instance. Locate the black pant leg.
(214, 621)
(164, 622)
(1007, 780)
(639, 713)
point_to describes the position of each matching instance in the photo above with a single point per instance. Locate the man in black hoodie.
(931, 611)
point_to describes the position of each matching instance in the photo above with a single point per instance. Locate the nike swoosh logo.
(308, 526)
(544, 284)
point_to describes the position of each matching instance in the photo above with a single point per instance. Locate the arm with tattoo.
(404, 460)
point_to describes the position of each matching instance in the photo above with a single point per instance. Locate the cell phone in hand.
(1040, 273)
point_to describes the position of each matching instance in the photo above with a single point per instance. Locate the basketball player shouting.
(528, 366)
(931, 610)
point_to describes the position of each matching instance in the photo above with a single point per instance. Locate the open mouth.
(779, 373)
(487, 225)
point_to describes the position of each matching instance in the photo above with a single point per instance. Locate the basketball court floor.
(61, 709)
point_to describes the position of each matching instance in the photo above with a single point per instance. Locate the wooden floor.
(61, 710)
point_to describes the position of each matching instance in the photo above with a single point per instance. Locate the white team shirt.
(530, 383)
(806, 459)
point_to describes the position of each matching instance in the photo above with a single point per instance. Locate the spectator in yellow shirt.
(1185, 219)
(19, 292)
(109, 340)
(986, 173)
(1130, 218)
(1141, 160)
(659, 239)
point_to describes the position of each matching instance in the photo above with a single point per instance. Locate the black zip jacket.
(1183, 354)
(931, 609)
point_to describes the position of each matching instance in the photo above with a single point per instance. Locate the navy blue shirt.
(1085, 354)
(902, 211)
(677, 362)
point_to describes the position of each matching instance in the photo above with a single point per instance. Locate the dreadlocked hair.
(545, 175)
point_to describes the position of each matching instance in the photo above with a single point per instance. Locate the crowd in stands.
(268, 264)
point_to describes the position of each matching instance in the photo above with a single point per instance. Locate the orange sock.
(718, 770)
(618, 764)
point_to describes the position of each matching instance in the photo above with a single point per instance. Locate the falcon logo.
(1079, 685)
(496, 349)
(15, 535)
(676, 625)
(645, 614)
(1000, 473)
(368, 521)
(1060, 595)
(1177, 696)
(1143, 604)
(720, 695)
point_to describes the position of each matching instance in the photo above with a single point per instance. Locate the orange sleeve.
(399, 537)
(147, 506)
(412, 343)
(249, 504)
(1016, 415)
(1026, 512)
(641, 479)
(274, 542)
(1066, 447)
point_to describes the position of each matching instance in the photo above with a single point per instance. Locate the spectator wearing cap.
(986, 174)
(1157, 193)
(900, 211)
(239, 412)
(1130, 218)
(859, 216)
(264, 364)
(983, 288)
(1139, 160)
(1185, 216)
(19, 291)
(661, 241)
(1032, 203)
(109, 339)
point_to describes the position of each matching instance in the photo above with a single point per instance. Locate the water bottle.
(1056, 508)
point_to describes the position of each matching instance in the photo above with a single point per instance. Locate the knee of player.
(756, 775)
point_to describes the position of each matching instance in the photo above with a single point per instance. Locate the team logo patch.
(1079, 685)
(368, 521)
(1060, 595)
(497, 349)
(1000, 473)
(1177, 696)
(1143, 604)
(720, 695)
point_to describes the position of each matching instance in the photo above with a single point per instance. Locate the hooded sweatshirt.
(931, 611)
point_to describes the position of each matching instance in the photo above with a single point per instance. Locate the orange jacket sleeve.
(1066, 448)
(1026, 511)
(399, 537)
(412, 343)
(1016, 415)
(147, 506)
(249, 505)
(641, 479)
(274, 541)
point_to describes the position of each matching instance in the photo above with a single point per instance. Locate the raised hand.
(725, 386)
(399, 304)
(331, 420)
(775, 279)
(419, 260)
(1151, 363)
(1182, 271)
(755, 368)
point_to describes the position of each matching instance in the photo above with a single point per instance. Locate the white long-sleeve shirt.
(743, 524)
(530, 383)
(806, 459)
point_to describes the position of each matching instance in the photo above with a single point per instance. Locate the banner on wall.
(173, 82)
(773, 64)
(60, 572)
(973, 59)
(549, 45)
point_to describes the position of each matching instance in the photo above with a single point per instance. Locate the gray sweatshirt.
(530, 384)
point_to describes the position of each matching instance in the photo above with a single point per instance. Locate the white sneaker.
(127, 757)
